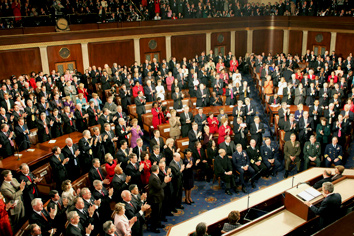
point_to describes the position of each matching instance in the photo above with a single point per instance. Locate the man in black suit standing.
(284, 114)
(75, 228)
(194, 135)
(72, 152)
(58, 162)
(93, 114)
(105, 118)
(96, 172)
(101, 193)
(132, 210)
(120, 182)
(200, 119)
(80, 118)
(157, 140)
(43, 125)
(135, 170)
(60, 206)
(329, 211)
(306, 127)
(68, 119)
(156, 197)
(202, 96)
(156, 156)
(123, 154)
(139, 149)
(42, 217)
(31, 191)
(257, 131)
(140, 102)
(186, 121)
(150, 91)
(290, 127)
(6, 141)
(177, 168)
(122, 131)
(85, 147)
(108, 139)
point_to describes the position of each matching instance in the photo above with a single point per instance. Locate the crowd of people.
(148, 179)
(18, 11)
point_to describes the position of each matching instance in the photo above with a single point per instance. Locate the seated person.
(333, 153)
(223, 169)
(233, 218)
(201, 230)
(327, 177)
(241, 164)
(338, 171)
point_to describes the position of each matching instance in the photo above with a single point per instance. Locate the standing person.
(257, 131)
(12, 191)
(157, 115)
(57, 163)
(186, 121)
(213, 123)
(156, 197)
(177, 168)
(5, 226)
(174, 122)
(31, 191)
(6, 141)
(292, 151)
(223, 169)
(312, 152)
(136, 133)
(329, 211)
(224, 130)
(140, 102)
(110, 166)
(147, 167)
(188, 176)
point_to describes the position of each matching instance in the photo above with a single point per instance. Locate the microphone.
(292, 184)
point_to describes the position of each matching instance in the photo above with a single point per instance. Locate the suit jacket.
(177, 179)
(288, 130)
(153, 142)
(123, 157)
(303, 134)
(81, 122)
(192, 138)
(199, 120)
(202, 102)
(134, 173)
(94, 175)
(109, 146)
(130, 212)
(119, 185)
(156, 192)
(232, 147)
(185, 127)
(42, 135)
(257, 136)
(329, 211)
(59, 170)
(6, 149)
(222, 165)
(102, 120)
(125, 97)
(140, 106)
(177, 102)
(74, 163)
(30, 187)
(13, 192)
(92, 117)
(72, 230)
(46, 223)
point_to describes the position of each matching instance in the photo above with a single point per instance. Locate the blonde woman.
(69, 103)
(160, 90)
(169, 150)
(96, 100)
(69, 192)
(123, 225)
(175, 131)
(282, 84)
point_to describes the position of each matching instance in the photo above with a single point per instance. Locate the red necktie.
(274, 100)
(95, 116)
(199, 152)
(44, 216)
(11, 141)
(102, 193)
(124, 131)
(339, 131)
(29, 178)
(99, 173)
(131, 204)
(59, 205)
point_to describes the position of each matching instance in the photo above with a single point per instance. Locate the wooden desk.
(31, 158)
(60, 141)
(274, 111)
(216, 214)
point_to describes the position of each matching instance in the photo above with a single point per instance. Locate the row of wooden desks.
(37, 154)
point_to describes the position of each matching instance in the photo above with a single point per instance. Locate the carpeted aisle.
(207, 195)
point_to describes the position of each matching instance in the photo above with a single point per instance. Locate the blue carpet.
(206, 195)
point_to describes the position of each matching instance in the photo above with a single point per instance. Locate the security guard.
(256, 159)
(312, 152)
(241, 164)
(269, 156)
(333, 153)
(292, 151)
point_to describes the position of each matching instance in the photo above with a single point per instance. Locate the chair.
(182, 143)
(33, 136)
(164, 130)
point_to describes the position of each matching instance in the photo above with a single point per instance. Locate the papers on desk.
(309, 194)
(287, 105)
(31, 150)
(231, 106)
(274, 105)
(52, 141)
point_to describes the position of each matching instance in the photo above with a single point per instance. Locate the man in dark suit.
(202, 96)
(204, 162)
(96, 172)
(125, 95)
(290, 127)
(93, 114)
(86, 215)
(177, 168)
(239, 110)
(250, 111)
(132, 210)
(166, 204)
(150, 91)
(241, 163)
(101, 193)
(157, 140)
(43, 106)
(288, 94)
(284, 114)
(228, 145)
(72, 152)
(123, 154)
(327, 177)
(257, 131)
(240, 131)
(156, 155)
(140, 102)
(80, 118)
(315, 112)
(122, 131)
(120, 114)
(69, 121)
(104, 118)
(120, 182)
(200, 119)
(194, 135)
(329, 211)
(43, 125)
(31, 118)
(6, 141)
(135, 170)
(108, 139)
(60, 206)
(7, 103)
(58, 162)
(186, 121)
(340, 129)
(223, 169)
(56, 103)
(42, 217)
(85, 147)
(156, 197)
(269, 153)
(31, 191)
(75, 228)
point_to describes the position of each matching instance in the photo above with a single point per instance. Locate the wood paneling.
(344, 44)
(17, 62)
(226, 42)
(240, 43)
(311, 39)
(75, 55)
(121, 52)
(295, 42)
(187, 45)
(160, 47)
(267, 41)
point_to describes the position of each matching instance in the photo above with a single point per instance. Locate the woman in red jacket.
(213, 123)
(224, 130)
(147, 167)
(157, 115)
(137, 88)
(110, 165)
(233, 64)
(5, 226)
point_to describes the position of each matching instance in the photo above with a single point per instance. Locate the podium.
(296, 205)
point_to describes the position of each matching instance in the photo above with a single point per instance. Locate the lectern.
(296, 205)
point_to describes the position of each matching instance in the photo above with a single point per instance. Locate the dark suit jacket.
(42, 135)
(156, 192)
(304, 136)
(329, 210)
(85, 153)
(75, 231)
(222, 165)
(92, 117)
(119, 185)
(231, 145)
(185, 127)
(153, 142)
(130, 212)
(202, 102)
(81, 123)
(28, 194)
(93, 174)
(45, 224)
(74, 163)
(6, 149)
(68, 127)
(136, 151)
(122, 157)
(140, 106)
(59, 171)
(134, 173)
(192, 138)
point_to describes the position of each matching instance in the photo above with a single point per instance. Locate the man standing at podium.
(329, 211)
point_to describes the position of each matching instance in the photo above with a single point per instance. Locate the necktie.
(131, 204)
(232, 94)
(102, 193)
(11, 141)
(95, 116)
(99, 173)
(59, 205)
(71, 122)
(29, 178)
(339, 131)
(44, 216)
(46, 128)
(285, 115)
(274, 101)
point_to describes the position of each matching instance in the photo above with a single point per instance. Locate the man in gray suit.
(110, 105)
(228, 145)
(11, 189)
(177, 168)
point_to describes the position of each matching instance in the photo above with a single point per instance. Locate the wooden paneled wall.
(75, 55)
(121, 52)
(267, 41)
(226, 41)
(160, 47)
(295, 42)
(240, 43)
(187, 45)
(21, 61)
(311, 39)
(344, 44)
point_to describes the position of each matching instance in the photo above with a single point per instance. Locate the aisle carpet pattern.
(207, 196)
